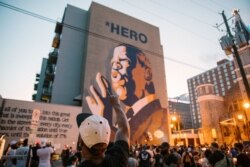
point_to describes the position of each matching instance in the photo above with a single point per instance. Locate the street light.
(246, 105)
(240, 117)
(176, 120)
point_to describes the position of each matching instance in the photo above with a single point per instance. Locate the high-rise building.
(223, 77)
(181, 106)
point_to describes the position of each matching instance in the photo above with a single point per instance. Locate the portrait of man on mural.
(132, 81)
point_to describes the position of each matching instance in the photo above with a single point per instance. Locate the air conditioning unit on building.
(226, 44)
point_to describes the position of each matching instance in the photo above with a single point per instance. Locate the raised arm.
(123, 131)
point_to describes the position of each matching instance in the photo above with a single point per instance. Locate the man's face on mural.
(126, 76)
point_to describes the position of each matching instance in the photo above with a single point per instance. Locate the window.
(207, 89)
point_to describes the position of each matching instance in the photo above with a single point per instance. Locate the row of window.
(223, 77)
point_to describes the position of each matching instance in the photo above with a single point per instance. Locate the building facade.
(96, 47)
(223, 77)
(242, 39)
(181, 109)
(212, 110)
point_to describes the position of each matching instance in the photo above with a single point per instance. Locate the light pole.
(176, 124)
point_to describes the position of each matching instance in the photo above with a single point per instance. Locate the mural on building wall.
(53, 124)
(131, 79)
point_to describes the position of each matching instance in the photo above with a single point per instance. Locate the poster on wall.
(126, 61)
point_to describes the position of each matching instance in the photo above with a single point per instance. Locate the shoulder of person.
(223, 162)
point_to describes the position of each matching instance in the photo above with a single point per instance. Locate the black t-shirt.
(116, 156)
(215, 157)
(243, 160)
(158, 160)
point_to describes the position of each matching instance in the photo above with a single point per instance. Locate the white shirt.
(44, 156)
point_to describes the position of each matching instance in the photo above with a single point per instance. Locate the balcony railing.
(36, 86)
(49, 75)
(53, 57)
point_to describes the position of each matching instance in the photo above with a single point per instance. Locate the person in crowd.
(44, 154)
(132, 81)
(35, 157)
(95, 134)
(165, 151)
(158, 157)
(187, 158)
(22, 154)
(196, 156)
(174, 151)
(132, 161)
(72, 161)
(78, 154)
(242, 160)
(145, 158)
(218, 158)
(150, 149)
(65, 154)
(233, 152)
(11, 154)
(204, 159)
(172, 160)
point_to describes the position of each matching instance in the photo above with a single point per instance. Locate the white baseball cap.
(93, 129)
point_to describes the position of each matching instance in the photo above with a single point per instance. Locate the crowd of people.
(162, 155)
(211, 155)
(21, 154)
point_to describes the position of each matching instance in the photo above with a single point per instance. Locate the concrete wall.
(212, 110)
(68, 78)
(57, 123)
(41, 80)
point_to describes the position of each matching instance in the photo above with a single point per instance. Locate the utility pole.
(237, 57)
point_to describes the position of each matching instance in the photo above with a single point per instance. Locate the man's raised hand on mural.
(99, 102)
